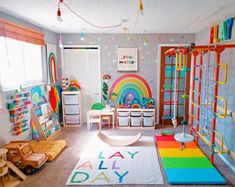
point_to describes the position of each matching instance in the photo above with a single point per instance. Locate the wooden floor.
(55, 173)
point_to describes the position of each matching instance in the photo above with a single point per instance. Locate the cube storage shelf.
(45, 122)
(71, 108)
(136, 118)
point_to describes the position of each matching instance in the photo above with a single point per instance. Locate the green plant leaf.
(105, 97)
(105, 86)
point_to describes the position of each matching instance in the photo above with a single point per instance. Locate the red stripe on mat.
(165, 138)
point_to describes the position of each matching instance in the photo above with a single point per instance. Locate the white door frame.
(99, 61)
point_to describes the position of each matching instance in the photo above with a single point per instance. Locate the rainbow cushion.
(189, 166)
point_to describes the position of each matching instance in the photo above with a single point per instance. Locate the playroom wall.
(5, 125)
(147, 52)
(225, 126)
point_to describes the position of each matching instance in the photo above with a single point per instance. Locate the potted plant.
(106, 95)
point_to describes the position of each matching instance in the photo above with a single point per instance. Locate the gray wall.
(5, 124)
(148, 54)
(225, 126)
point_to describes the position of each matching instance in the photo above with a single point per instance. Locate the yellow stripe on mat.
(166, 153)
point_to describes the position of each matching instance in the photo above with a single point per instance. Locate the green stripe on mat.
(197, 162)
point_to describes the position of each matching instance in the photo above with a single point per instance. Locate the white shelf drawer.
(148, 122)
(72, 119)
(135, 114)
(71, 99)
(123, 121)
(148, 114)
(135, 121)
(71, 109)
(123, 114)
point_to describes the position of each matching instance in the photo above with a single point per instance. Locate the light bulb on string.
(82, 38)
(59, 18)
(145, 40)
(141, 8)
(60, 42)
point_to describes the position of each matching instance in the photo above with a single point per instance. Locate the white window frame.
(26, 84)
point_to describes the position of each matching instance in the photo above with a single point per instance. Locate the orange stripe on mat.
(174, 144)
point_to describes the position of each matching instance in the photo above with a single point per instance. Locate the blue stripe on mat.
(194, 176)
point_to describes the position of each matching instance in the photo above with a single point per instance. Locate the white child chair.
(93, 116)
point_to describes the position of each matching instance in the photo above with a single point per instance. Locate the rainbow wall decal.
(52, 67)
(130, 86)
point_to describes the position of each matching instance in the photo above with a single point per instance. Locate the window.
(21, 63)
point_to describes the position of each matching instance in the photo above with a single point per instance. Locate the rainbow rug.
(189, 166)
(101, 164)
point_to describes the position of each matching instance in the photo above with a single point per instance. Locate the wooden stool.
(3, 154)
(3, 170)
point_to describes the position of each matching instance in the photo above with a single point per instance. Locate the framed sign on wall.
(127, 59)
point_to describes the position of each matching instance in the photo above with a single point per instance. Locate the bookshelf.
(46, 122)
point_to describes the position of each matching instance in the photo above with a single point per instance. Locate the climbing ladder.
(200, 124)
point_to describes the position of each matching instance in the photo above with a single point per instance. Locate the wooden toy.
(18, 108)
(21, 155)
(6, 179)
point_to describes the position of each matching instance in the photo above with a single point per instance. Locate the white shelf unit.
(136, 118)
(71, 102)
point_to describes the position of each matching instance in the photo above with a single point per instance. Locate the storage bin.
(136, 114)
(72, 119)
(123, 121)
(135, 121)
(71, 109)
(71, 99)
(123, 114)
(148, 114)
(148, 121)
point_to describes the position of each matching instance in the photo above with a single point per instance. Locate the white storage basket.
(123, 121)
(72, 119)
(135, 121)
(148, 114)
(148, 121)
(71, 99)
(71, 109)
(135, 114)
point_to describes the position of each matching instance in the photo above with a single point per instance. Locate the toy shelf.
(45, 122)
(71, 107)
(136, 118)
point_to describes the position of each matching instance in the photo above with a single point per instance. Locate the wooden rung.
(16, 170)
(195, 104)
(167, 117)
(206, 104)
(220, 108)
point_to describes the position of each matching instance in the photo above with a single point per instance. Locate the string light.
(141, 8)
(60, 41)
(89, 22)
(82, 38)
(59, 18)
(145, 40)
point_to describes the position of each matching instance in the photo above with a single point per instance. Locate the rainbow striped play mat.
(188, 166)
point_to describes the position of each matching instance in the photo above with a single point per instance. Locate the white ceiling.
(160, 16)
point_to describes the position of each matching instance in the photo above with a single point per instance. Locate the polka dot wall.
(147, 51)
